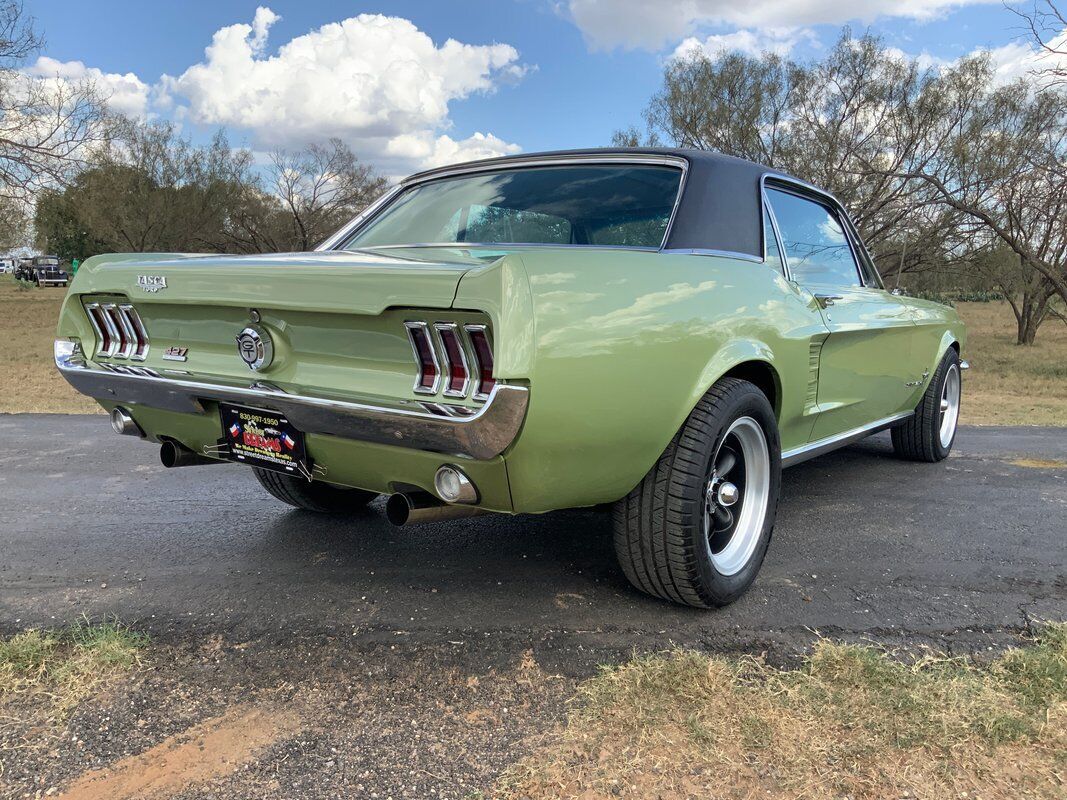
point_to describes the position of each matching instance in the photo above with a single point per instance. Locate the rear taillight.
(120, 333)
(483, 358)
(456, 360)
(429, 372)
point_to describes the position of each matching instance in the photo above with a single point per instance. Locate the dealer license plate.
(263, 439)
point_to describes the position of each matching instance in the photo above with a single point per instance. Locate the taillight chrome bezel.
(449, 332)
(418, 330)
(120, 333)
(459, 368)
(472, 330)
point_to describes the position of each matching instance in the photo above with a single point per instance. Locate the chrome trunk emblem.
(152, 283)
(255, 347)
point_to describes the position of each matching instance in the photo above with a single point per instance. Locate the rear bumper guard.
(484, 434)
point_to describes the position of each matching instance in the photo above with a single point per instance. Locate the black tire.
(918, 438)
(660, 529)
(323, 498)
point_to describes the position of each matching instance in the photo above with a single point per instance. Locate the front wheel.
(323, 498)
(928, 434)
(696, 529)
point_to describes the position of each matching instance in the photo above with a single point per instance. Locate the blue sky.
(526, 74)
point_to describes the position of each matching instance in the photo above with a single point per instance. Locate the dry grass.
(27, 328)
(852, 722)
(59, 668)
(1008, 384)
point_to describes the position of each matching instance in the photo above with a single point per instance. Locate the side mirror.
(898, 292)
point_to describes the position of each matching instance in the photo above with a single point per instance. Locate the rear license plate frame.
(263, 438)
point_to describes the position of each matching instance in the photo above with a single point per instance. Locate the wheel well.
(762, 375)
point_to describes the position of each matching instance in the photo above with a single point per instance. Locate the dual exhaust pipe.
(401, 509)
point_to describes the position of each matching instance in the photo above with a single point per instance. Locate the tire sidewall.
(722, 588)
(937, 389)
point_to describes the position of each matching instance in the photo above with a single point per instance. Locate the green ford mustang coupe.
(659, 329)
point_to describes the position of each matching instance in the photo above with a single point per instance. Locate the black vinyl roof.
(720, 208)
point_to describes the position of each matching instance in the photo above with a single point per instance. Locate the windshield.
(583, 204)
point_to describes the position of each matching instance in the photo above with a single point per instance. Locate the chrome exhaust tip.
(172, 454)
(418, 508)
(123, 423)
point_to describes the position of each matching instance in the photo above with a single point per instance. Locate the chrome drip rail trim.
(484, 434)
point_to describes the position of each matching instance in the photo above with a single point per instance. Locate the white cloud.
(1022, 60)
(654, 24)
(769, 40)
(427, 151)
(127, 94)
(377, 82)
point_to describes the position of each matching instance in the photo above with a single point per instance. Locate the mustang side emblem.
(152, 283)
(255, 347)
(175, 353)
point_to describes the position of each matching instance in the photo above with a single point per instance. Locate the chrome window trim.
(707, 251)
(765, 212)
(807, 191)
(447, 362)
(342, 236)
(413, 325)
(484, 329)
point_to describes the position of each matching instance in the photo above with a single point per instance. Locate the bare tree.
(999, 157)
(46, 125)
(821, 122)
(321, 187)
(1046, 27)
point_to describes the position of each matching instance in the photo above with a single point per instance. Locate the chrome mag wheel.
(736, 494)
(950, 405)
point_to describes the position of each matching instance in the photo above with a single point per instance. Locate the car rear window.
(589, 204)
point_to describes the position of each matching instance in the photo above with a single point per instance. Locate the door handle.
(825, 300)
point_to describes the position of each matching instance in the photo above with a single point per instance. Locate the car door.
(866, 363)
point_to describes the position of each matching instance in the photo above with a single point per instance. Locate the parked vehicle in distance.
(7, 266)
(42, 270)
(659, 329)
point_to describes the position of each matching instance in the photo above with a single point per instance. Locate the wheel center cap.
(728, 494)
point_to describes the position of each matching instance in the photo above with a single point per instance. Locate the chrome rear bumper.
(484, 434)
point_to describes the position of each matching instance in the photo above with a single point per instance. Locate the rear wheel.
(929, 434)
(696, 529)
(323, 498)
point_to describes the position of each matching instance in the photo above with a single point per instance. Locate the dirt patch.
(318, 718)
(1039, 463)
(209, 750)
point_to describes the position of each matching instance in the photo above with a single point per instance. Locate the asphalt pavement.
(962, 554)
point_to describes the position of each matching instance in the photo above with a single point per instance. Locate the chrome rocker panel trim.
(484, 434)
(822, 446)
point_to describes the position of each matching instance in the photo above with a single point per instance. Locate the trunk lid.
(340, 281)
(336, 320)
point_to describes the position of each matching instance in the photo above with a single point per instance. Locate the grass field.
(852, 722)
(1007, 385)
(27, 329)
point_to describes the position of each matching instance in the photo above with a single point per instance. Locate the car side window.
(772, 254)
(816, 246)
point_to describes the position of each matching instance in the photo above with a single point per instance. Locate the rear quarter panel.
(618, 346)
(938, 327)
